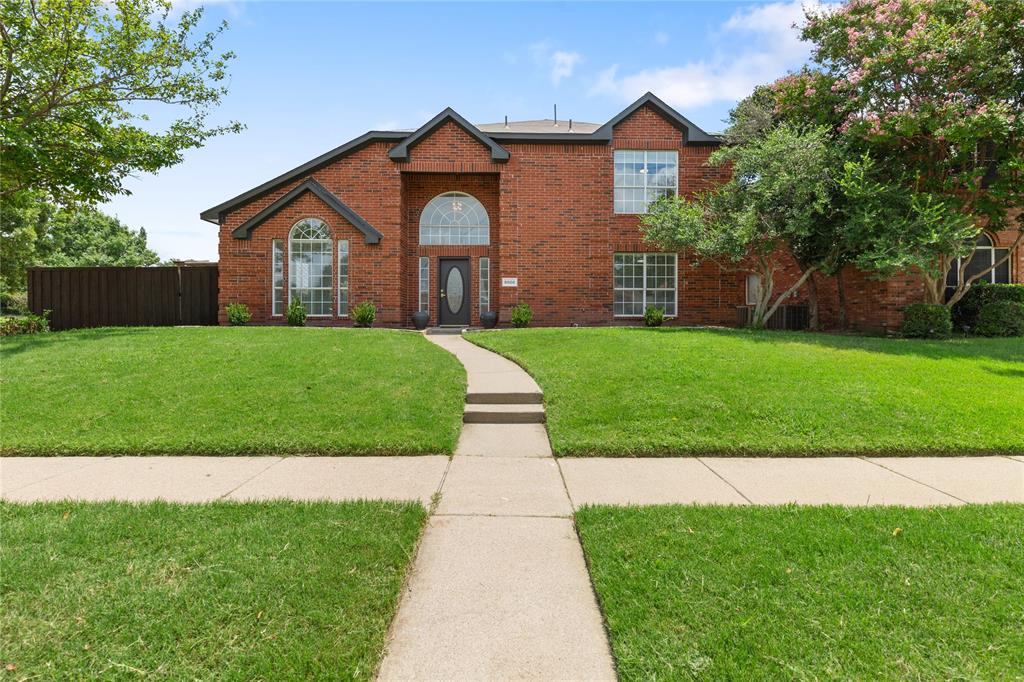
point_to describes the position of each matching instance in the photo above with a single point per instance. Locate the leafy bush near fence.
(238, 314)
(926, 321)
(25, 324)
(968, 308)
(14, 302)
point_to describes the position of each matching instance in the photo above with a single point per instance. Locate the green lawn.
(229, 390)
(223, 591)
(636, 391)
(810, 593)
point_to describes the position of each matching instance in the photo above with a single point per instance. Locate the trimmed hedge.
(926, 321)
(1001, 318)
(967, 309)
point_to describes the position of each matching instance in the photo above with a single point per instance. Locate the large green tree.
(781, 199)
(928, 95)
(83, 85)
(37, 232)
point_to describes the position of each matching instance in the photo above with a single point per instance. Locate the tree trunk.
(841, 292)
(789, 292)
(812, 304)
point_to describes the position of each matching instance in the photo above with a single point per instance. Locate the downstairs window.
(641, 280)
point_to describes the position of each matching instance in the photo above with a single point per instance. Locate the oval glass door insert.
(453, 290)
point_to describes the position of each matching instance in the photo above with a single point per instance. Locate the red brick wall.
(553, 227)
(369, 183)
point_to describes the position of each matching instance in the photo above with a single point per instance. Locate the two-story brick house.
(454, 218)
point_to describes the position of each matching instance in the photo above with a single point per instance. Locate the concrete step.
(504, 414)
(505, 398)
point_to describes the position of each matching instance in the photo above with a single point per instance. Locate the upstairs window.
(642, 177)
(454, 219)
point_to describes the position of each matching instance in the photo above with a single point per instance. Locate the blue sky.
(311, 75)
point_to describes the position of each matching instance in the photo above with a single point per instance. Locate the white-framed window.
(425, 284)
(454, 219)
(277, 284)
(985, 255)
(641, 280)
(343, 277)
(485, 284)
(753, 288)
(310, 265)
(642, 177)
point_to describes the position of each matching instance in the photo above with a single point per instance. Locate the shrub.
(25, 324)
(653, 317)
(14, 302)
(296, 314)
(364, 314)
(926, 321)
(1001, 318)
(967, 309)
(238, 314)
(522, 315)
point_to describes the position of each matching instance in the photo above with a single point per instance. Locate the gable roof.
(693, 131)
(405, 139)
(371, 235)
(401, 151)
(213, 214)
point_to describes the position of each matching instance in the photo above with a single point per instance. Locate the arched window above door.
(454, 218)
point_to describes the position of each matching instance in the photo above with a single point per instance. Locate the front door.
(453, 286)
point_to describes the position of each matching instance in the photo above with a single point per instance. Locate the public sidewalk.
(911, 481)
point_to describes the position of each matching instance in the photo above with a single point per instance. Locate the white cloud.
(773, 47)
(562, 65)
(559, 64)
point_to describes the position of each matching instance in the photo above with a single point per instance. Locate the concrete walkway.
(499, 589)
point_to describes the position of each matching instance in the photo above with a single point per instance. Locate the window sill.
(640, 317)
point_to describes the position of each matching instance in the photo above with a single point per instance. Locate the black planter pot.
(420, 318)
(489, 319)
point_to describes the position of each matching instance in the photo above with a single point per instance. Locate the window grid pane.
(277, 286)
(310, 266)
(642, 177)
(424, 284)
(343, 277)
(454, 219)
(640, 280)
(485, 284)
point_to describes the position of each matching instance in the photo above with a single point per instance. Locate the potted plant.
(489, 319)
(420, 319)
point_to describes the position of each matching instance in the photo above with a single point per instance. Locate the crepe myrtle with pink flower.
(926, 97)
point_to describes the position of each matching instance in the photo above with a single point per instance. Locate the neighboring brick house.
(454, 218)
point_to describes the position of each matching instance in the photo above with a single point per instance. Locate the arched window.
(310, 266)
(454, 218)
(985, 255)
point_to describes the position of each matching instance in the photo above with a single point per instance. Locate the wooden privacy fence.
(124, 297)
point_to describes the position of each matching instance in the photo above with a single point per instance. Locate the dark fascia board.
(401, 151)
(213, 214)
(694, 133)
(371, 235)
